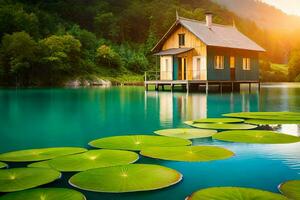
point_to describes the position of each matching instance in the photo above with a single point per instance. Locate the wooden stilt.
(221, 87)
(206, 87)
(232, 86)
(249, 87)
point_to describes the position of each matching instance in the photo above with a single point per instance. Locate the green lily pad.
(189, 154)
(223, 126)
(2, 165)
(291, 189)
(270, 122)
(219, 120)
(294, 116)
(126, 178)
(256, 136)
(41, 164)
(93, 159)
(17, 179)
(31, 155)
(186, 133)
(137, 142)
(45, 194)
(229, 193)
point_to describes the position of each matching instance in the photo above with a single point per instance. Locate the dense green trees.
(294, 65)
(48, 42)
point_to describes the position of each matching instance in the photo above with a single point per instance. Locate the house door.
(232, 68)
(196, 68)
(182, 69)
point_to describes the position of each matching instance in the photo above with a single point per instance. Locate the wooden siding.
(190, 41)
(224, 74)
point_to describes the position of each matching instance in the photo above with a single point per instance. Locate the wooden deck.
(188, 84)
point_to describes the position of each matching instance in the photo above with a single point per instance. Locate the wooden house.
(195, 51)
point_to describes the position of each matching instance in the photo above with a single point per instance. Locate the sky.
(288, 6)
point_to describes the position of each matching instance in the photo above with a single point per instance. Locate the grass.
(280, 67)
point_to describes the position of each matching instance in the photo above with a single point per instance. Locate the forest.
(48, 42)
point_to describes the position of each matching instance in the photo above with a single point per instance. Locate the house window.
(181, 38)
(246, 64)
(219, 62)
(232, 62)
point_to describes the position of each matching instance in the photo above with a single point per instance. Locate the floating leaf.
(256, 136)
(126, 178)
(41, 164)
(137, 142)
(270, 122)
(45, 194)
(186, 133)
(2, 165)
(93, 159)
(223, 126)
(291, 189)
(31, 155)
(294, 116)
(219, 120)
(17, 179)
(230, 193)
(190, 154)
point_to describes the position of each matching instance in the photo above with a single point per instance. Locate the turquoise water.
(34, 118)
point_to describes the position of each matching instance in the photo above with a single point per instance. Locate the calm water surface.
(34, 118)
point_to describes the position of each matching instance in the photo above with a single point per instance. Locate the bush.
(106, 56)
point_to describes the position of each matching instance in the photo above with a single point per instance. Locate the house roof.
(217, 35)
(174, 51)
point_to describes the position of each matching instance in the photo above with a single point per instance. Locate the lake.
(35, 118)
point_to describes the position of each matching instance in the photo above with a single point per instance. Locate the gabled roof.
(174, 51)
(217, 35)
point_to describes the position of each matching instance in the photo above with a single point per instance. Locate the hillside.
(262, 14)
(106, 38)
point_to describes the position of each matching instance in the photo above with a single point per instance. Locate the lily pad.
(270, 122)
(45, 194)
(31, 155)
(126, 178)
(223, 126)
(137, 142)
(256, 136)
(186, 133)
(41, 164)
(17, 179)
(2, 165)
(291, 189)
(189, 154)
(294, 116)
(229, 193)
(93, 159)
(219, 120)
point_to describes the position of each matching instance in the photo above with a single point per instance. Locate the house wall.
(224, 74)
(191, 41)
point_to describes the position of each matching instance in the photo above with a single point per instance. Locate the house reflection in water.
(173, 108)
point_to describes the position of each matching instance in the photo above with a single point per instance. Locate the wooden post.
(221, 87)
(249, 87)
(163, 87)
(258, 86)
(187, 87)
(232, 86)
(206, 87)
(172, 87)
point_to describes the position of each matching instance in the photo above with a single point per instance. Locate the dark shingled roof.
(174, 51)
(217, 35)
